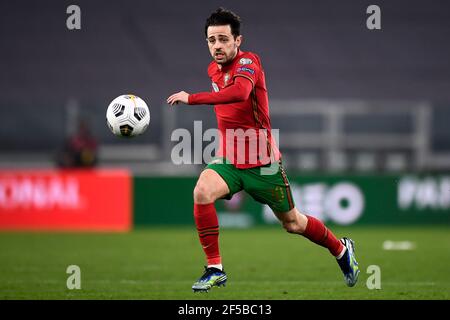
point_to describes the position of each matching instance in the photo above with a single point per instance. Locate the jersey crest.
(226, 77)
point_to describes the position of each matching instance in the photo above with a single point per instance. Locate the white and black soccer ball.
(128, 116)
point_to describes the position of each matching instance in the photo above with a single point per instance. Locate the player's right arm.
(237, 92)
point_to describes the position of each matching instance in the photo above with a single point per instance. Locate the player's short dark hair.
(223, 17)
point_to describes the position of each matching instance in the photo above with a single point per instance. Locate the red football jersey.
(246, 133)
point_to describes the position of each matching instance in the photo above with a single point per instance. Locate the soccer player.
(250, 160)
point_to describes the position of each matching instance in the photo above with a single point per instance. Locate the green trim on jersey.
(266, 184)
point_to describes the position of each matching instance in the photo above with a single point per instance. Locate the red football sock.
(208, 230)
(318, 233)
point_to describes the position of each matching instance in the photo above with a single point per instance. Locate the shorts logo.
(241, 69)
(245, 61)
(278, 194)
(215, 87)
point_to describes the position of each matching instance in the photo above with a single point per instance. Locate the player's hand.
(178, 97)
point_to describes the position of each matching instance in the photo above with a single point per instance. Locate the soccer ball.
(127, 116)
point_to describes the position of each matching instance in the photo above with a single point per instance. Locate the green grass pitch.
(262, 263)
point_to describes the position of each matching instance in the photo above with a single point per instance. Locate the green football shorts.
(267, 184)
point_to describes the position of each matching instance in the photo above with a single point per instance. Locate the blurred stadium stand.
(344, 98)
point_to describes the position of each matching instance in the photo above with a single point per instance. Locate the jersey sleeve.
(248, 67)
(237, 92)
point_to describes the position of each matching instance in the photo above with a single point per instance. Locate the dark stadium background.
(355, 106)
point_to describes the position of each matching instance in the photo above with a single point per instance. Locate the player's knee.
(203, 194)
(293, 227)
(289, 227)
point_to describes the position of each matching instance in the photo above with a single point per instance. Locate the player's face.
(222, 44)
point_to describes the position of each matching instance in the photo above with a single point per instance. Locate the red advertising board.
(66, 200)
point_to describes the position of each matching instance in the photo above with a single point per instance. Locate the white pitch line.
(398, 245)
